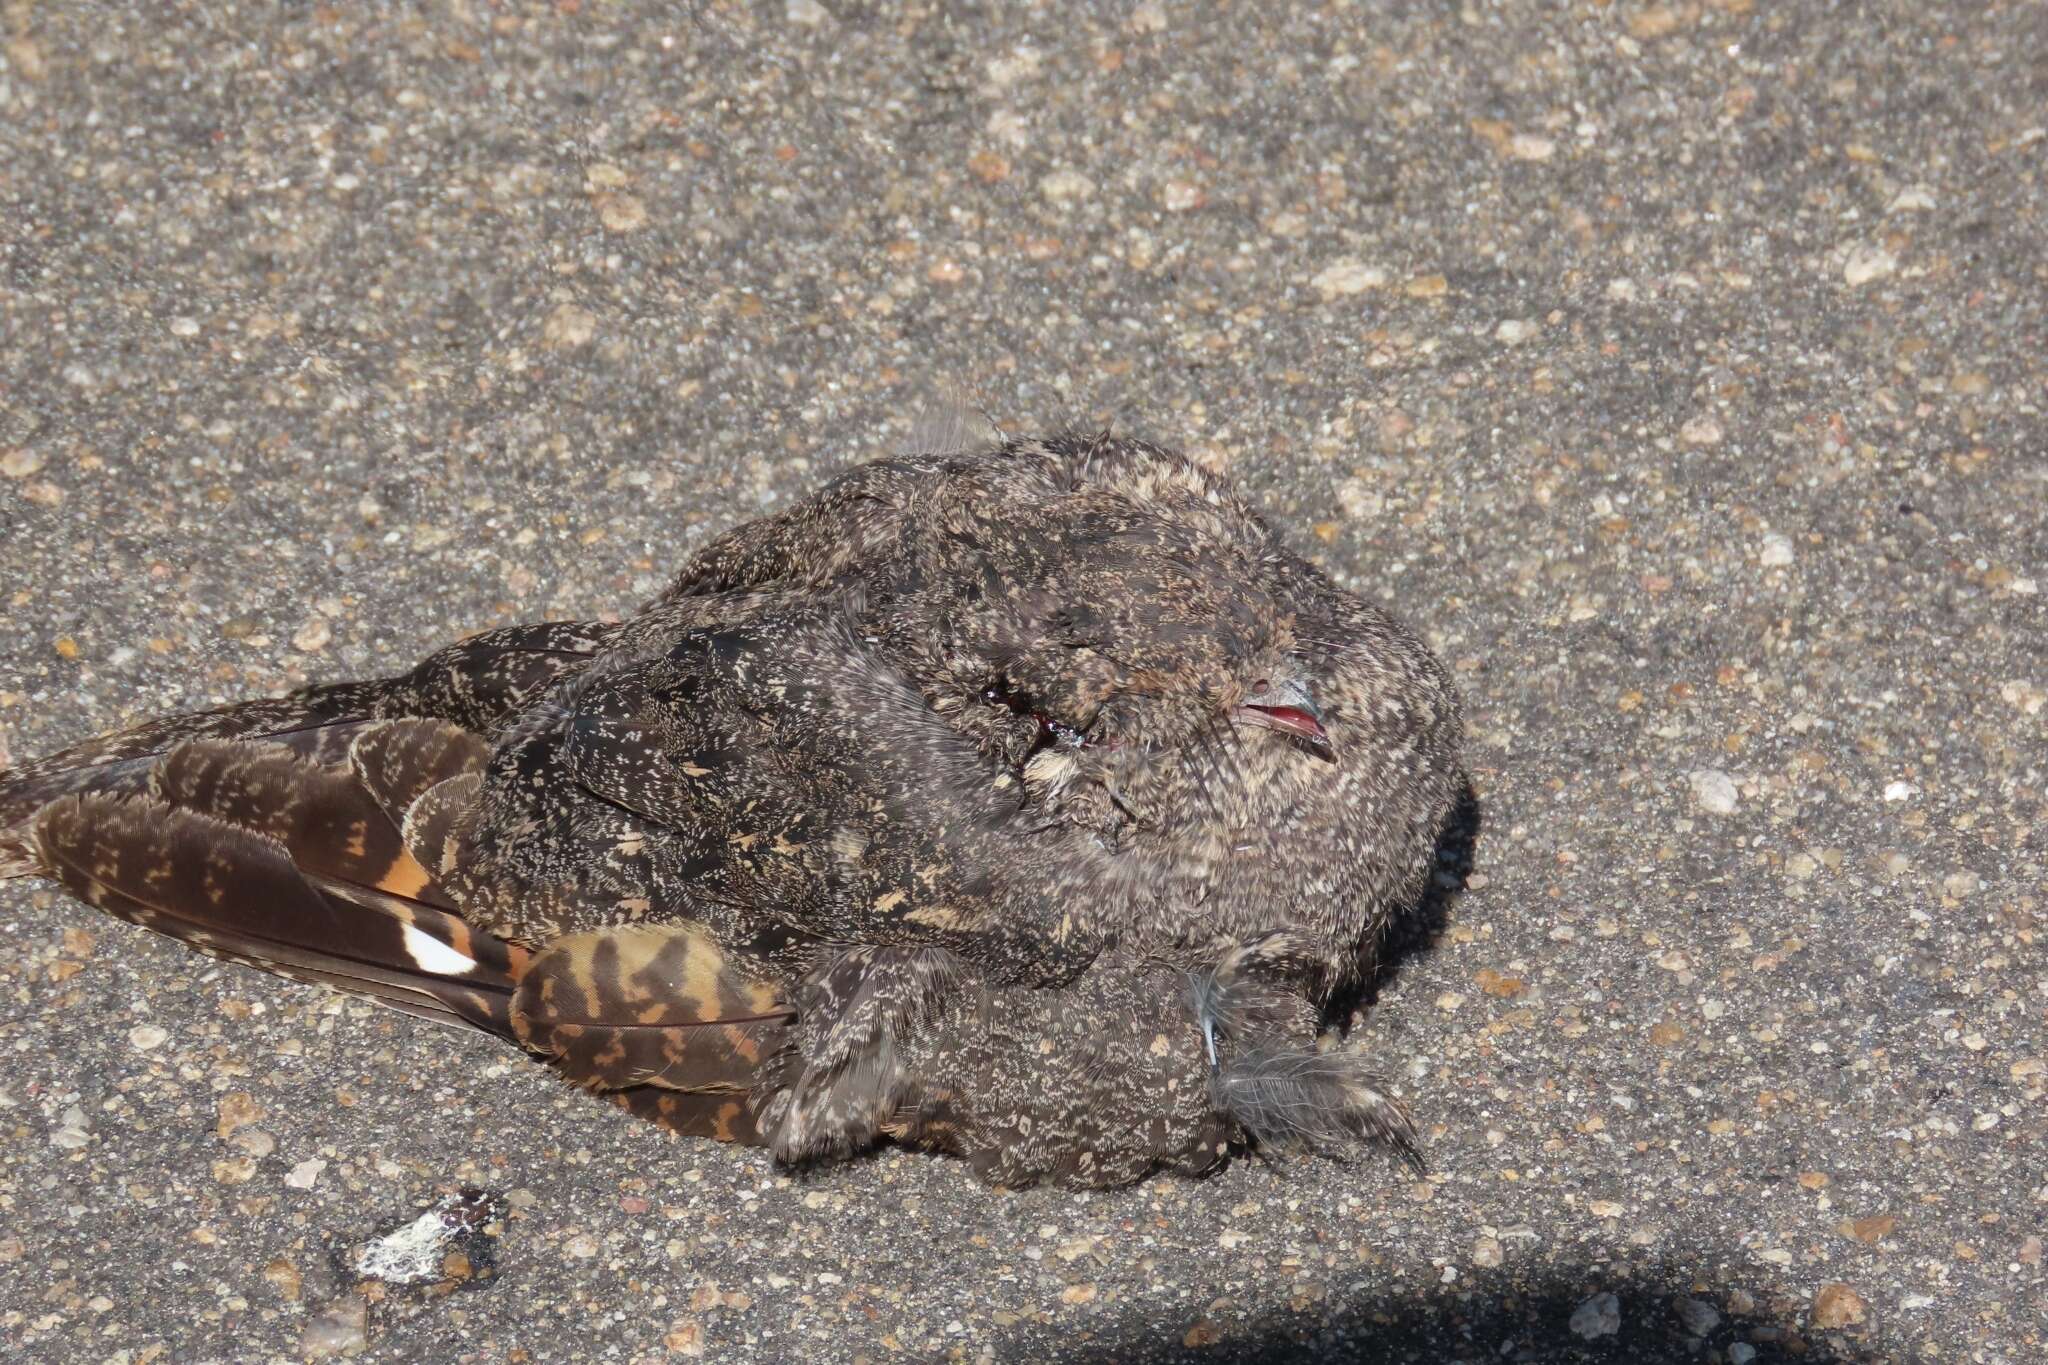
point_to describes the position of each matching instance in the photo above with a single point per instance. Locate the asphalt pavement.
(1678, 370)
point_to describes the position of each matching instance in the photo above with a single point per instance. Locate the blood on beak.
(1288, 708)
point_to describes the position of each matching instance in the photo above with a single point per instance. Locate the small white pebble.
(1346, 276)
(1714, 790)
(1867, 263)
(1599, 1316)
(73, 1133)
(340, 1329)
(1701, 431)
(1777, 551)
(1358, 500)
(2025, 695)
(1699, 1316)
(146, 1037)
(568, 327)
(1900, 791)
(1066, 187)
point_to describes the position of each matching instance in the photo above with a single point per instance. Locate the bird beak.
(1287, 707)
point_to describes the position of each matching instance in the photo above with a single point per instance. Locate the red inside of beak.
(1292, 720)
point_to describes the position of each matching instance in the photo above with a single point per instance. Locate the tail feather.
(716, 1114)
(18, 855)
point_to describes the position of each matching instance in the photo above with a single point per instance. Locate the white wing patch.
(434, 956)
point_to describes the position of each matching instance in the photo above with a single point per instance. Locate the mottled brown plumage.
(1027, 804)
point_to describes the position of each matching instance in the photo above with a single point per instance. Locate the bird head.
(1124, 634)
(1154, 678)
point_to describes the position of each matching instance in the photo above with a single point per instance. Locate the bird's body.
(1026, 804)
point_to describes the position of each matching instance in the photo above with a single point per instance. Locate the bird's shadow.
(1417, 927)
(1658, 1313)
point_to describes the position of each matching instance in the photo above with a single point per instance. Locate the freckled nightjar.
(1027, 804)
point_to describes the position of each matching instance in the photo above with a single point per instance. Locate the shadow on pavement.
(1657, 1315)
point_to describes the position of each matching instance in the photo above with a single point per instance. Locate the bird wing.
(806, 783)
(476, 683)
(320, 851)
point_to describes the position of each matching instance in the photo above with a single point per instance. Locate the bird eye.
(1262, 685)
(1000, 693)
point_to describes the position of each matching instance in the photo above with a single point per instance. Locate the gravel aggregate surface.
(1677, 369)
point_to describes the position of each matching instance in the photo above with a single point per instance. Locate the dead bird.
(1027, 804)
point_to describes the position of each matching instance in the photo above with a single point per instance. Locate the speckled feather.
(1026, 805)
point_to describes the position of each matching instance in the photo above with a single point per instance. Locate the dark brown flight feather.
(1026, 805)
